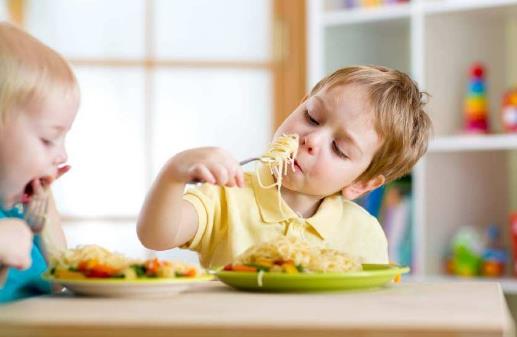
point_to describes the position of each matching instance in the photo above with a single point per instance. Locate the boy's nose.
(61, 157)
(309, 142)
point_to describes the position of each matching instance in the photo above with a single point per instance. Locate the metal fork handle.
(249, 160)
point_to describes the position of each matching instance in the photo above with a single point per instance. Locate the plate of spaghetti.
(95, 271)
(288, 264)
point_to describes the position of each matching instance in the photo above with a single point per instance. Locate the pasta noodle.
(279, 157)
(71, 258)
(306, 258)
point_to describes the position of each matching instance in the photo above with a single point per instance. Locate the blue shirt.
(25, 283)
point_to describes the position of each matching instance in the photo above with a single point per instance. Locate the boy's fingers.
(220, 173)
(240, 177)
(232, 181)
(201, 173)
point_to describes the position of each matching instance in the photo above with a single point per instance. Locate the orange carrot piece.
(242, 267)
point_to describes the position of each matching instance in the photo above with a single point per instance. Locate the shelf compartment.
(463, 189)
(455, 41)
(378, 43)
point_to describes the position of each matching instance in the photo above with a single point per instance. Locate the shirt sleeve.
(365, 236)
(206, 200)
(376, 248)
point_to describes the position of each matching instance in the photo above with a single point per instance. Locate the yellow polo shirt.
(233, 219)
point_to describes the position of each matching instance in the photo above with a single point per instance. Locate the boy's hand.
(15, 244)
(210, 164)
(45, 182)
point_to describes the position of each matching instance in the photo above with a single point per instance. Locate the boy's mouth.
(297, 166)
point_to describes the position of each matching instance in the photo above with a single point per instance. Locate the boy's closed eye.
(338, 151)
(310, 119)
(335, 148)
(47, 142)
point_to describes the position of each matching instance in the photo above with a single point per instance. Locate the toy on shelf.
(371, 3)
(471, 256)
(476, 111)
(509, 113)
(465, 259)
(494, 255)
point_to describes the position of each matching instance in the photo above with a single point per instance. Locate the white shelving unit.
(344, 17)
(463, 179)
(462, 143)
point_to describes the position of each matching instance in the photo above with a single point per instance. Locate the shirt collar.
(323, 221)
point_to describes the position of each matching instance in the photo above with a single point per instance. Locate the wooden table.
(211, 309)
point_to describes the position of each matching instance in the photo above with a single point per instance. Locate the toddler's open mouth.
(29, 190)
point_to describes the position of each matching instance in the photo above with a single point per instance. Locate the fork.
(249, 160)
(36, 214)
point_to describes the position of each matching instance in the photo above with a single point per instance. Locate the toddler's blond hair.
(400, 120)
(29, 70)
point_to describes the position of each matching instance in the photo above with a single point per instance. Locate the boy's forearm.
(161, 215)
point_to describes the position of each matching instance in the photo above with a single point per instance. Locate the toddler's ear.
(358, 188)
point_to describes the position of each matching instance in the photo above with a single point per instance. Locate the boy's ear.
(358, 188)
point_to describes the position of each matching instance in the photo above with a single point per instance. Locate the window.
(156, 77)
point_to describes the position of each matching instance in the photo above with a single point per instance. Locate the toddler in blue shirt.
(39, 99)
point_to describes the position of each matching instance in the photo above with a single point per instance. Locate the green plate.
(372, 276)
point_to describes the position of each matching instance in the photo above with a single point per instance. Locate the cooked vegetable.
(96, 262)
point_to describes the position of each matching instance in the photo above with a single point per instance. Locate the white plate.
(128, 288)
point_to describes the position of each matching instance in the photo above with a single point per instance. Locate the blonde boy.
(358, 129)
(39, 98)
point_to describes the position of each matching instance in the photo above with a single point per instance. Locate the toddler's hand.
(62, 170)
(210, 164)
(15, 243)
(45, 182)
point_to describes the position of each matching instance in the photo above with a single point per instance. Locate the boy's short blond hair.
(29, 70)
(400, 120)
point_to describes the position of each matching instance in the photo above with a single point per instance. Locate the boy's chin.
(291, 186)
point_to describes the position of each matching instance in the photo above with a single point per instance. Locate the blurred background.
(160, 76)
